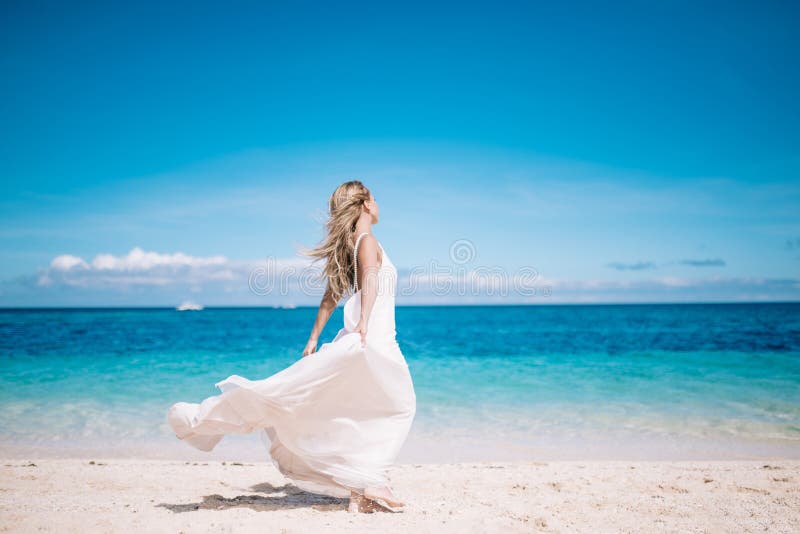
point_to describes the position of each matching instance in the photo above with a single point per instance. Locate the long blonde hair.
(345, 205)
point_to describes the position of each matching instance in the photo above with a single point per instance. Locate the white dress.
(333, 421)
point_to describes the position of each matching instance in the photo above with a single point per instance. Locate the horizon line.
(440, 305)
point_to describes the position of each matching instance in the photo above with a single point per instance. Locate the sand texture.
(128, 495)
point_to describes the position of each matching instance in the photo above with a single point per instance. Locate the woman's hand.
(361, 328)
(311, 347)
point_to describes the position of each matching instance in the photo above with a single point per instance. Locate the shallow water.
(495, 382)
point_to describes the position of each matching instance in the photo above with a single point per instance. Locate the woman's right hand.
(361, 328)
(311, 347)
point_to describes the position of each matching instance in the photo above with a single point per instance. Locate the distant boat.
(189, 306)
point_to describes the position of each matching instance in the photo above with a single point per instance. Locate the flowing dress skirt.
(333, 421)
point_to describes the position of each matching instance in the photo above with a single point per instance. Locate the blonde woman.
(334, 421)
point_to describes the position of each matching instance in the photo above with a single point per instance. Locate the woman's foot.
(383, 494)
(360, 504)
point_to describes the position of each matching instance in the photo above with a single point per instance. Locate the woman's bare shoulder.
(368, 249)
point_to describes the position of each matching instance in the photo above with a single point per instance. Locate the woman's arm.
(368, 281)
(326, 308)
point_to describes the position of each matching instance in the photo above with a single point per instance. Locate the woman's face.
(372, 208)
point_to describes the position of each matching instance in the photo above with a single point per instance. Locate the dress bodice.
(381, 321)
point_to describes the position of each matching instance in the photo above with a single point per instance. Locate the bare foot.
(361, 504)
(383, 494)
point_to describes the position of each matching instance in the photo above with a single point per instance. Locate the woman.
(334, 420)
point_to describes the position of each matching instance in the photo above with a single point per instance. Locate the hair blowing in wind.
(345, 205)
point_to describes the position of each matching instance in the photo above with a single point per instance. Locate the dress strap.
(355, 259)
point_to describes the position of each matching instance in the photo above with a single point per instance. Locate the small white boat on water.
(189, 306)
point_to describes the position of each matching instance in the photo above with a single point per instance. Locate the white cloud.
(147, 277)
(144, 268)
(139, 260)
(65, 262)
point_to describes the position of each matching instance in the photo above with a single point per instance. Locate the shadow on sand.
(290, 497)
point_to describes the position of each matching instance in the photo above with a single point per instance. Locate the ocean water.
(690, 381)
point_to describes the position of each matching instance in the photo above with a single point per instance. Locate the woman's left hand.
(361, 328)
(311, 347)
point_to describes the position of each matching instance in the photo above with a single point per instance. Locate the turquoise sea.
(662, 381)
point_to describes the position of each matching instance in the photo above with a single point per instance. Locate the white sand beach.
(116, 495)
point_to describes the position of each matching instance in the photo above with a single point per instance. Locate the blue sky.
(627, 153)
